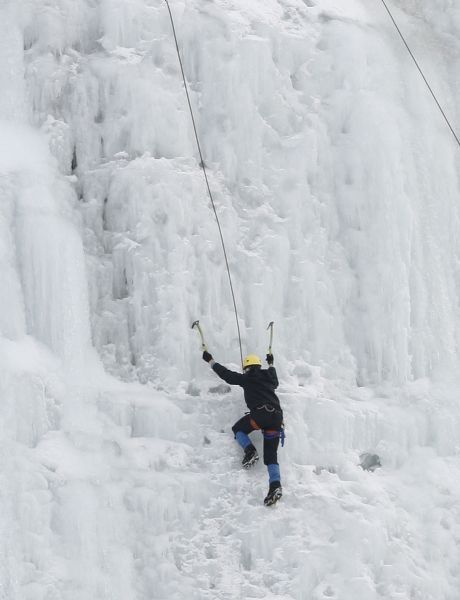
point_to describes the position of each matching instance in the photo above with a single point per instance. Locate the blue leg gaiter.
(274, 473)
(242, 439)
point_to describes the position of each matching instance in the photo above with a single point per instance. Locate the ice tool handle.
(196, 325)
(270, 326)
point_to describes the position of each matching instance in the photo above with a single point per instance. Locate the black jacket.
(258, 384)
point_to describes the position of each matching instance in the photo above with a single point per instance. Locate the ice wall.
(334, 175)
(46, 293)
(44, 322)
(42, 254)
(336, 182)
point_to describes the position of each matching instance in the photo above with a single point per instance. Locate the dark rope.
(421, 72)
(203, 166)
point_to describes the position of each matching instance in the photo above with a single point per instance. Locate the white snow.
(336, 183)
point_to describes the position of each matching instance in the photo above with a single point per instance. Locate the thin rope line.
(203, 166)
(421, 72)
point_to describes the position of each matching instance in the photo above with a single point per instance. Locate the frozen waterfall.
(336, 182)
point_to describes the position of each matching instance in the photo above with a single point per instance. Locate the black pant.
(268, 421)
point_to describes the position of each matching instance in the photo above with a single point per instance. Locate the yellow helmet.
(251, 360)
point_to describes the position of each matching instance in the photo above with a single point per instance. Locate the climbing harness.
(203, 166)
(268, 433)
(272, 434)
(420, 71)
(196, 324)
(270, 326)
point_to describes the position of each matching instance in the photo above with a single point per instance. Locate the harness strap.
(271, 434)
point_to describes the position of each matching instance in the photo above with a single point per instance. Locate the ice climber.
(264, 414)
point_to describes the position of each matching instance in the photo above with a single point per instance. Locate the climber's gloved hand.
(206, 356)
(269, 358)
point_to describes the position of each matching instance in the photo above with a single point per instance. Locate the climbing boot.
(274, 493)
(250, 457)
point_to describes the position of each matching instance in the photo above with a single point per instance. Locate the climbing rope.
(421, 72)
(203, 166)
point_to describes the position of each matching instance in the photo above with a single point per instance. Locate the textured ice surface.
(336, 182)
(325, 155)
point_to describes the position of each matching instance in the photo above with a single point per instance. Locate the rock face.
(369, 462)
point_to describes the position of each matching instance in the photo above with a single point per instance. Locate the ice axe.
(270, 326)
(198, 326)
